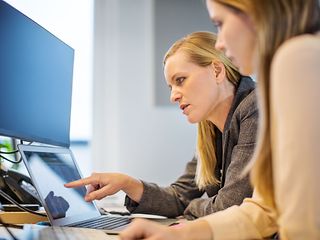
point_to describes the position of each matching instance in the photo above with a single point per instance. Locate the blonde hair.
(292, 18)
(200, 48)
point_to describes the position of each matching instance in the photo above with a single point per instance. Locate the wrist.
(133, 188)
(198, 229)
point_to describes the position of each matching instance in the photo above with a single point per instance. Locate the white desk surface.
(17, 232)
(20, 234)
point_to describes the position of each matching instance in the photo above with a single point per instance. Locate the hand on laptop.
(143, 229)
(100, 185)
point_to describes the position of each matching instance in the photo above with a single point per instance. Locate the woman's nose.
(175, 96)
(219, 44)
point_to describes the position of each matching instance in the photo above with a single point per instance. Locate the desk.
(112, 204)
(17, 233)
(24, 217)
(21, 217)
(20, 234)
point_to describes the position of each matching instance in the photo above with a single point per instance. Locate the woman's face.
(236, 36)
(193, 87)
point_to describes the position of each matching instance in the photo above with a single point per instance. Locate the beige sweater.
(295, 135)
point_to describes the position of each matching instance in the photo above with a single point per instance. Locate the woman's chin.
(192, 120)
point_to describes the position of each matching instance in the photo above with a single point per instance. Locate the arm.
(142, 229)
(253, 219)
(143, 197)
(295, 136)
(235, 188)
(184, 196)
(100, 185)
(169, 201)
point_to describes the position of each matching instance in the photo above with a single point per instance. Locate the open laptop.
(50, 168)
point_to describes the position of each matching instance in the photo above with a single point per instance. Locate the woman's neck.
(220, 113)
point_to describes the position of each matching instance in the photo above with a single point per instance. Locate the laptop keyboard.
(65, 233)
(104, 222)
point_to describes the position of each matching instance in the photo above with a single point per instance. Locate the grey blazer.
(234, 150)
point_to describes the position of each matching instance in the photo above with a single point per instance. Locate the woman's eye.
(180, 80)
(218, 25)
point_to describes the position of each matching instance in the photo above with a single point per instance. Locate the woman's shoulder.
(248, 105)
(307, 45)
(301, 42)
(295, 67)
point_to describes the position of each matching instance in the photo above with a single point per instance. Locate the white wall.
(130, 133)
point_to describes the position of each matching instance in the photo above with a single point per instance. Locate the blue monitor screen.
(36, 70)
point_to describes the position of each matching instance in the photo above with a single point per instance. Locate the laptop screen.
(50, 168)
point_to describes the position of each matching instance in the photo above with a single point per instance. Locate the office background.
(121, 117)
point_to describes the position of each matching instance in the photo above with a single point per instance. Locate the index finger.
(80, 182)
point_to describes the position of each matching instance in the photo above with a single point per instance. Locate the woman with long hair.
(211, 92)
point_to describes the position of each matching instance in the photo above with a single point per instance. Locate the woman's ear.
(219, 71)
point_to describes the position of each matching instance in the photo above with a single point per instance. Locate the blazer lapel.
(225, 145)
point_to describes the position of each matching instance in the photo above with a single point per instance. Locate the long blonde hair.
(199, 46)
(292, 18)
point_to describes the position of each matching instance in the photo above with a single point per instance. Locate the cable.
(13, 152)
(11, 225)
(9, 160)
(5, 225)
(10, 199)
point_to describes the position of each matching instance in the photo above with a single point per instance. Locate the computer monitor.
(36, 70)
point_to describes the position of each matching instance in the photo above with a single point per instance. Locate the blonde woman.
(279, 40)
(209, 91)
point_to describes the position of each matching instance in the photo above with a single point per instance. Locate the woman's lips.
(185, 108)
